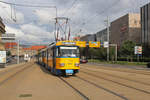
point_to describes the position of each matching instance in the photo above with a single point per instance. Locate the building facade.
(102, 36)
(145, 25)
(88, 37)
(127, 27)
(33, 50)
(2, 31)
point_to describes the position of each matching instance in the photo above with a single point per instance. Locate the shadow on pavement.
(48, 72)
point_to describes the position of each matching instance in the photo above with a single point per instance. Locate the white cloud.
(30, 34)
(20, 17)
(17, 32)
(35, 30)
(10, 15)
(45, 15)
(85, 15)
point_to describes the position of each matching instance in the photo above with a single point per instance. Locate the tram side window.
(57, 52)
(49, 55)
(51, 52)
(43, 54)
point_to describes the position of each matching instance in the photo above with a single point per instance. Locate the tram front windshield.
(69, 51)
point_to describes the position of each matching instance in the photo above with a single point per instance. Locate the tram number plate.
(69, 71)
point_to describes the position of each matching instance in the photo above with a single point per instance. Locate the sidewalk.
(11, 66)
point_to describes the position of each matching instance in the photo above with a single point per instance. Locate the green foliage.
(119, 62)
(8, 53)
(127, 49)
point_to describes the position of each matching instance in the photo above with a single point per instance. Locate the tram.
(60, 58)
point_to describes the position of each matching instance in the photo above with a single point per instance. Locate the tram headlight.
(62, 64)
(77, 64)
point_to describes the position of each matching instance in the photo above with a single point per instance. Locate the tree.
(8, 53)
(127, 49)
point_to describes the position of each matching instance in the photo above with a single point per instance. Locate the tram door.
(47, 58)
(54, 56)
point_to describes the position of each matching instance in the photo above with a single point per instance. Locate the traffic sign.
(106, 44)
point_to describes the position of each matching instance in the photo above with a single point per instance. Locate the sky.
(35, 25)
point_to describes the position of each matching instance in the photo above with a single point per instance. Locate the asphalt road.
(29, 81)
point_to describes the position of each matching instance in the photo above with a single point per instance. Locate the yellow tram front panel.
(67, 63)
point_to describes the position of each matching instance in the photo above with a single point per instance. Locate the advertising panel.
(81, 43)
(138, 50)
(94, 44)
(2, 56)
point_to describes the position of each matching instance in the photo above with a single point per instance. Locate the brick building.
(32, 50)
(10, 45)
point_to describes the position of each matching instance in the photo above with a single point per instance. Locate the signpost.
(138, 51)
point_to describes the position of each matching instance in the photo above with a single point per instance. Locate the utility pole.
(18, 53)
(108, 38)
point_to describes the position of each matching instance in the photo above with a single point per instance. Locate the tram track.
(101, 87)
(76, 90)
(23, 68)
(116, 76)
(127, 70)
(116, 82)
(95, 85)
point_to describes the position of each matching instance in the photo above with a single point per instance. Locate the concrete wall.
(135, 28)
(101, 35)
(127, 27)
(89, 37)
(119, 30)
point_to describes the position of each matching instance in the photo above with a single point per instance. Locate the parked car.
(83, 60)
(8, 60)
(148, 65)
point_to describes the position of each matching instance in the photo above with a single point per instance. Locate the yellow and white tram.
(61, 58)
